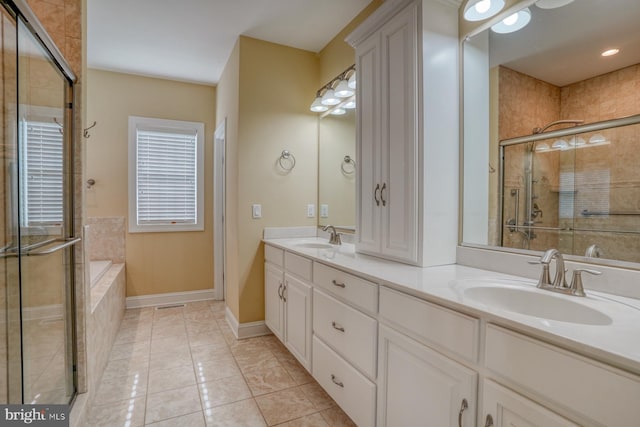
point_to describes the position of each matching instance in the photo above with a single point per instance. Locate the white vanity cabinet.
(418, 386)
(288, 294)
(388, 144)
(273, 286)
(502, 407)
(403, 120)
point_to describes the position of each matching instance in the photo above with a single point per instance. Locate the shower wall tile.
(107, 236)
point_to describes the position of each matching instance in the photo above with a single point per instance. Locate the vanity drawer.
(355, 394)
(432, 324)
(588, 391)
(359, 292)
(274, 255)
(348, 331)
(300, 266)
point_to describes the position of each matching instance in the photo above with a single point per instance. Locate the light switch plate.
(311, 211)
(256, 211)
(324, 211)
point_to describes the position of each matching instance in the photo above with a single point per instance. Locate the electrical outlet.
(256, 211)
(311, 211)
(324, 211)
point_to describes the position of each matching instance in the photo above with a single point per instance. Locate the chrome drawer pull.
(284, 298)
(463, 408)
(280, 290)
(338, 383)
(337, 327)
(338, 284)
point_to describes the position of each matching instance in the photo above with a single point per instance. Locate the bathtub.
(97, 269)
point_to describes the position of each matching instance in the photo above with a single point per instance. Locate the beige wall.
(273, 84)
(156, 262)
(337, 55)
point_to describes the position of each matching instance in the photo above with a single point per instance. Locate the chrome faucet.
(334, 237)
(559, 283)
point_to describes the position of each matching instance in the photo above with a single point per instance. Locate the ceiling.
(562, 46)
(191, 40)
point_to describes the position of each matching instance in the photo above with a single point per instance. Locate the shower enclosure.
(575, 189)
(36, 239)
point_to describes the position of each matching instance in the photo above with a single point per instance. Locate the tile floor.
(183, 367)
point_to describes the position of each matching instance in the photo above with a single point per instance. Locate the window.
(41, 173)
(166, 175)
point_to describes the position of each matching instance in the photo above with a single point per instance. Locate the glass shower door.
(36, 241)
(45, 224)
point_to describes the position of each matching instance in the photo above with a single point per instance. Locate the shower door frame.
(23, 16)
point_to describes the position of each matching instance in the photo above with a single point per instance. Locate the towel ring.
(348, 160)
(286, 155)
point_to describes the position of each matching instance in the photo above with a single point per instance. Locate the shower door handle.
(65, 243)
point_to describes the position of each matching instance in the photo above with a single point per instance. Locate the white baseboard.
(43, 312)
(245, 330)
(169, 298)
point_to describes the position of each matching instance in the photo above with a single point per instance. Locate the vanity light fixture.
(597, 139)
(513, 22)
(352, 80)
(343, 90)
(350, 104)
(560, 144)
(330, 98)
(317, 106)
(542, 147)
(610, 52)
(477, 10)
(577, 142)
(335, 93)
(552, 4)
(338, 111)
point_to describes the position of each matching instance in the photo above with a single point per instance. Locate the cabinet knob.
(338, 383)
(489, 421)
(463, 407)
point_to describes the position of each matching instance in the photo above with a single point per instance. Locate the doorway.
(219, 170)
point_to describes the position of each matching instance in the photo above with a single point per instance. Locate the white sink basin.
(314, 245)
(536, 302)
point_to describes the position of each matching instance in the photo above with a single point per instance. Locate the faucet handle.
(576, 282)
(545, 277)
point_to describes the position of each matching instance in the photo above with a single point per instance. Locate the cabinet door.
(504, 408)
(420, 387)
(369, 206)
(400, 184)
(297, 296)
(273, 303)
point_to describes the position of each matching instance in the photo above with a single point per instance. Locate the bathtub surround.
(107, 237)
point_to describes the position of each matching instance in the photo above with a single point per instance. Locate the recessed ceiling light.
(610, 52)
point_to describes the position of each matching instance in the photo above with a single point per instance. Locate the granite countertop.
(616, 340)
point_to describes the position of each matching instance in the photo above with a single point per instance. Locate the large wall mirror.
(552, 132)
(337, 170)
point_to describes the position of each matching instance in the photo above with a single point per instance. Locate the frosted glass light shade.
(330, 98)
(317, 107)
(338, 111)
(352, 81)
(543, 146)
(477, 10)
(560, 144)
(350, 105)
(597, 139)
(343, 90)
(514, 22)
(552, 4)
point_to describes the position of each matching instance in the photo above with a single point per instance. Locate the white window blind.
(41, 174)
(167, 175)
